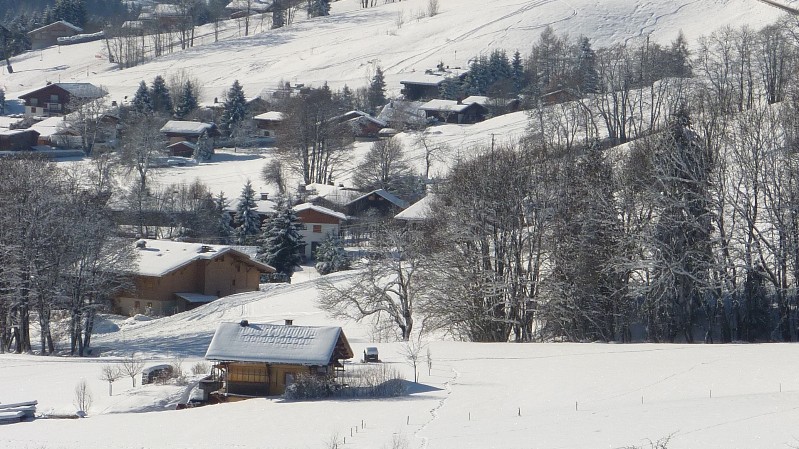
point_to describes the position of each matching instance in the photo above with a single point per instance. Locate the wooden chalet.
(172, 277)
(48, 35)
(319, 222)
(450, 111)
(58, 98)
(426, 85)
(268, 124)
(18, 139)
(362, 124)
(242, 8)
(184, 148)
(383, 202)
(264, 359)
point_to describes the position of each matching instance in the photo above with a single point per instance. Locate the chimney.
(289, 322)
(205, 249)
(244, 323)
(264, 196)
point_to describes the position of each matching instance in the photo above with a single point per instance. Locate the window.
(317, 229)
(54, 98)
(233, 282)
(34, 102)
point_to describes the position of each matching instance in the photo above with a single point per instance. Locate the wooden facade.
(202, 280)
(18, 139)
(48, 35)
(57, 98)
(264, 359)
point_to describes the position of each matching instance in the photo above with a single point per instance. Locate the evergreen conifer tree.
(281, 244)
(187, 102)
(141, 99)
(376, 94)
(235, 108)
(223, 229)
(2, 101)
(347, 98)
(587, 78)
(318, 8)
(159, 96)
(330, 256)
(247, 220)
(517, 72)
(278, 14)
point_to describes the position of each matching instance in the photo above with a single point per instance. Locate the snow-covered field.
(475, 395)
(345, 47)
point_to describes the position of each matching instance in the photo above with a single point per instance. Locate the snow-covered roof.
(423, 79)
(82, 90)
(320, 209)
(53, 125)
(75, 28)
(167, 10)
(270, 343)
(14, 132)
(160, 257)
(259, 6)
(335, 194)
(271, 115)
(385, 194)
(417, 211)
(445, 105)
(360, 115)
(186, 127)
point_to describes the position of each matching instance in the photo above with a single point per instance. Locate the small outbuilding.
(48, 35)
(263, 359)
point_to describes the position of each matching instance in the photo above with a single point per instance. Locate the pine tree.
(2, 101)
(141, 99)
(331, 257)
(517, 72)
(278, 14)
(281, 244)
(247, 220)
(347, 98)
(587, 78)
(187, 102)
(235, 108)
(223, 229)
(376, 94)
(159, 96)
(318, 8)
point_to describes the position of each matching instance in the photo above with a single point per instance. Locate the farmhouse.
(450, 111)
(48, 35)
(268, 124)
(362, 124)
(18, 139)
(319, 222)
(263, 359)
(59, 98)
(172, 277)
(383, 202)
(199, 133)
(427, 85)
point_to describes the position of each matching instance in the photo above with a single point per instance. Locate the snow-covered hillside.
(475, 396)
(401, 37)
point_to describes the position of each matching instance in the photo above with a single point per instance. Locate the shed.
(48, 35)
(18, 139)
(263, 359)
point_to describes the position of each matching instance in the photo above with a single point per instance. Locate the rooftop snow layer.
(269, 343)
(320, 209)
(159, 257)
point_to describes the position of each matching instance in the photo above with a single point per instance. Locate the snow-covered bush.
(331, 257)
(307, 386)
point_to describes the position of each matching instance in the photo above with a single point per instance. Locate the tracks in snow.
(434, 410)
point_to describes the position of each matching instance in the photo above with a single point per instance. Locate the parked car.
(155, 373)
(370, 354)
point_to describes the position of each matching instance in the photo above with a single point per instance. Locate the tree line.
(688, 232)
